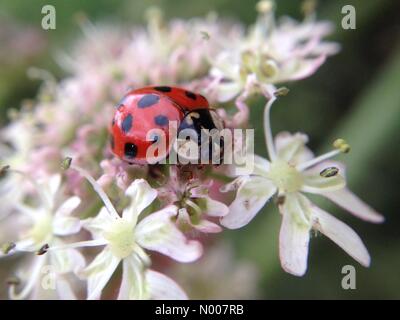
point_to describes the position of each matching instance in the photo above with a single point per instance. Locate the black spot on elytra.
(163, 89)
(130, 150)
(112, 142)
(148, 100)
(127, 123)
(190, 95)
(113, 122)
(161, 120)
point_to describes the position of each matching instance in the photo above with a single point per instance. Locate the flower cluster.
(73, 231)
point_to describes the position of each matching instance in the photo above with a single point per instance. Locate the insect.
(142, 110)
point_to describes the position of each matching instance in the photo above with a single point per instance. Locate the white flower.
(15, 147)
(271, 53)
(292, 171)
(46, 224)
(125, 239)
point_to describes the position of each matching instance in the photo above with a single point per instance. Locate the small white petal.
(227, 91)
(64, 226)
(32, 278)
(347, 199)
(252, 195)
(28, 211)
(214, 208)
(162, 287)
(233, 185)
(63, 223)
(304, 69)
(99, 272)
(64, 289)
(157, 232)
(206, 226)
(350, 202)
(142, 195)
(68, 206)
(294, 235)
(133, 284)
(314, 183)
(342, 235)
(50, 188)
(292, 147)
(67, 260)
(99, 223)
(54, 184)
(203, 225)
(316, 169)
(261, 166)
(224, 66)
(27, 244)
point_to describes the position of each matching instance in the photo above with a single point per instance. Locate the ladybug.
(153, 107)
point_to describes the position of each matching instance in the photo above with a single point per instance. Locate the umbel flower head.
(195, 206)
(124, 240)
(39, 227)
(291, 171)
(271, 53)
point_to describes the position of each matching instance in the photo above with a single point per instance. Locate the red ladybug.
(144, 109)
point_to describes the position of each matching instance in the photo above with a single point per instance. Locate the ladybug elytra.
(142, 110)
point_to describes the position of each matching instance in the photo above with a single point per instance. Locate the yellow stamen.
(341, 145)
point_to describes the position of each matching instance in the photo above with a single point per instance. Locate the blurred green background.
(355, 95)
